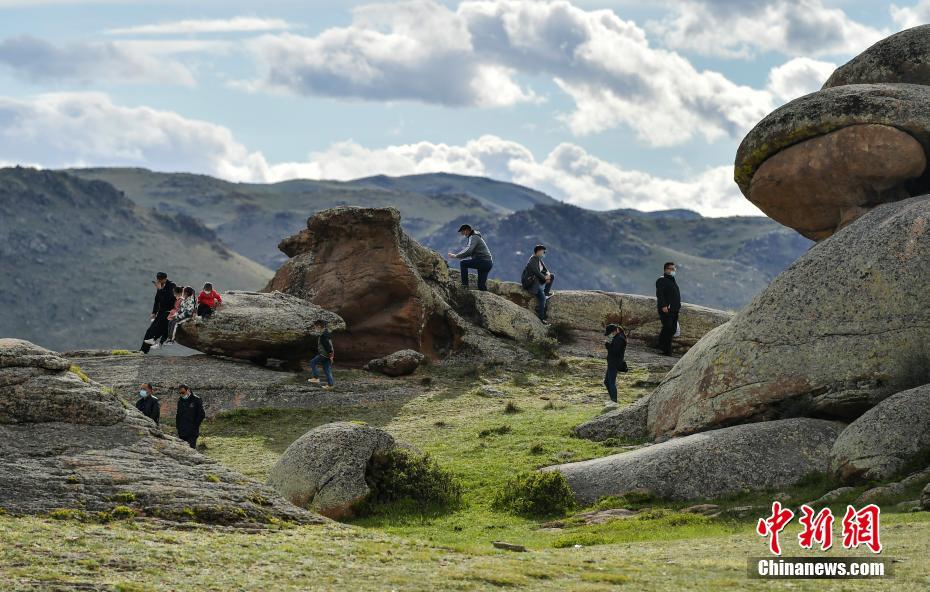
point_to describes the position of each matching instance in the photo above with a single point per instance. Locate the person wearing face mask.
(538, 280)
(189, 416)
(668, 302)
(164, 303)
(475, 255)
(147, 403)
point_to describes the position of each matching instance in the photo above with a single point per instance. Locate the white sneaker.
(314, 381)
(156, 346)
(327, 387)
(149, 342)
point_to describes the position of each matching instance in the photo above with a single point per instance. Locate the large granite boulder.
(400, 363)
(626, 423)
(65, 443)
(901, 58)
(843, 328)
(886, 439)
(257, 326)
(324, 470)
(823, 183)
(360, 264)
(755, 457)
(504, 318)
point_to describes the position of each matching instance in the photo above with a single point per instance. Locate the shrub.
(495, 431)
(211, 478)
(123, 496)
(413, 480)
(122, 513)
(544, 349)
(537, 449)
(561, 332)
(75, 369)
(536, 495)
(511, 407)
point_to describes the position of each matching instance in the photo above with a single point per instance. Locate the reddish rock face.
(359, 263)
(823, 184)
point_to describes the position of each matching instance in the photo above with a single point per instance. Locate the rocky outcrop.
(324, 470)
(504, 318)
(886, 439)
(901, 58)
(400, 363)
(258, 326)
(626, 423)
(755, 457)
(925, 498)
(843, 328)
(360, 264)
(67, 444)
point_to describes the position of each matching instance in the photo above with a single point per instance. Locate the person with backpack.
(475, 255)
(189, 416)
(668, 303)
(616, 351)
(537, 279)
(326, 354)
(164, 304)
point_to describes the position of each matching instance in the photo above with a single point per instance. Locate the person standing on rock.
(190, 415)
(538, 280)
(147, 404)
(668, 303)
(326, 354)
(475, 255)
(616, 351)
(164, 303)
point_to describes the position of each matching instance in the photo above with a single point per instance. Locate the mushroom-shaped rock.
(843, 328)
(713, 464)
(257, 326)
(901, 58)
(803, 168)
(400, 363)
(324, 470)
(886, 439)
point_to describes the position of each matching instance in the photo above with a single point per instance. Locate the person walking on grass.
(190, 415)
(616, 350)
(668, 303)
(475, 255)
(538, 280)
(147, 404)
(325, 356)
(158, 322)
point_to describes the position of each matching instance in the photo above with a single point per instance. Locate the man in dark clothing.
(161, 308)
(148, 404)
(325, 355)
(616, 350)
(538, 280)
(189, 416)
(475, 255)
(668, 302)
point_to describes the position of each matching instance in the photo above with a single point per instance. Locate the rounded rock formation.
(901, 58)
(400, 363)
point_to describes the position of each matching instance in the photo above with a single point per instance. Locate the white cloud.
(37, 60)
(911, 16)
(799, 77)
(742, 28)
(239, 24)
(88, 129)
(472, 56)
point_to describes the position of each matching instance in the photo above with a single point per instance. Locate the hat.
(538, 247)
(610, 329)
(464, 227)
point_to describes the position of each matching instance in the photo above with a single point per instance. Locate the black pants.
(610, 381)
(158, 330)
(669, 325)
(191, 439)
(484, 268)
(204, 311)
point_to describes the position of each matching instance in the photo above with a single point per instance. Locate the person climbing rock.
(148, 404)
(668, 303)
(616, 350)
(162, 307)
(475, 255)
(325, 355)
(189, 416)
(538, 280)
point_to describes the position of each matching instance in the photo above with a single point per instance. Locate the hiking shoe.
(327, 387)
(314, 381)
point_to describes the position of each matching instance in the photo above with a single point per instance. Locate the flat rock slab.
(754, 457)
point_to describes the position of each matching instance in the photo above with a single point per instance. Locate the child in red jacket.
(208, 300)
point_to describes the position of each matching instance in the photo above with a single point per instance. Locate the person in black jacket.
(326, 353)
(164, 303)
(189, 416)
(147, 403)
(616, 350)
(538, 279)
(668, 303)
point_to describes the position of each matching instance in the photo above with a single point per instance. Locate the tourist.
(325, 355)
(147, 403)
(616, 350)
(189, 416)
(168, 337)
(185, 312)
(668, 302)
(538, 280)
(208, 301)
(164, 303)
(475, 255)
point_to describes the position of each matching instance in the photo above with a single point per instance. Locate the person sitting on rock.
(189, 416)
(158, 322)
(168, 337)
(325, 355)
(148, 404)
(475, 255)
(185, 312)
(616, 350)
(208, 301)
(668, 302)
(538, 280)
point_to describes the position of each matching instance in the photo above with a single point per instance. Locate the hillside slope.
(79, 257)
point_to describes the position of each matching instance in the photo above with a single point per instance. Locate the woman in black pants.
(616, 349)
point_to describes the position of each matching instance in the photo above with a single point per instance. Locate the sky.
(600, 103)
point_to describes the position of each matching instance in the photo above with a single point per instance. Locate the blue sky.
(600, 103)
